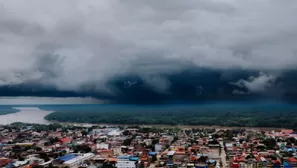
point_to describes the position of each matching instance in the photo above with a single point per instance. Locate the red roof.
(193, 158)
(179, 153)
(275, 162)
(258, 159)
(195, 147)
(235, 165)
(65, 140)
(239, 159)
(104, 150)
(292, 159)
(287, 131)
(4, 162)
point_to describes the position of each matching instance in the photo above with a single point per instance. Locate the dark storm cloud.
(94, 47)
(191, 85)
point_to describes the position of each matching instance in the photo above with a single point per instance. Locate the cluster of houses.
(144, 147)
(273, 148)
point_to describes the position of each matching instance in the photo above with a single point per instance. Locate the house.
(102, 146)
(65, 140)
(292, 162)
(261, 161)
(276, 164)
(4, 162)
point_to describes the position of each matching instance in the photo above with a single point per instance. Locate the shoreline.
(168, 126)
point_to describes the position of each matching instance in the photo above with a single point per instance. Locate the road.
(223, 156)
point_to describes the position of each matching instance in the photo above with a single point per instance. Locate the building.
(292, 161)
(127, 162)
(158, 147)
(102, 146)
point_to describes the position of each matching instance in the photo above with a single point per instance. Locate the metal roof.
(124, 157)
(170, 153)
(152, 153)
(67, 157)
(133, 158)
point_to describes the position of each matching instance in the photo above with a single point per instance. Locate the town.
(65, 145)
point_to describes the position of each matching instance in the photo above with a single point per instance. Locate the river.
(26, 115)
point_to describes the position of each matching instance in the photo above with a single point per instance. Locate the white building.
(127, 162)
(158, 147)
(107, 131)
(102, 146)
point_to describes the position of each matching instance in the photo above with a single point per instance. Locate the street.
(223, 156)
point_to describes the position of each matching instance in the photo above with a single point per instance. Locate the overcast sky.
(71, 43)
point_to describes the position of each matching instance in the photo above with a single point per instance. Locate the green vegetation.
(7, 110)
(270, 143)
(231, 115)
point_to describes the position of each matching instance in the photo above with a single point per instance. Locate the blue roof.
(152, 153)
(211, 161)
(10, 165)
(290, 149)
(133, 158)
(67, 157)
(124, 157)
(286, 165)
(170, 162)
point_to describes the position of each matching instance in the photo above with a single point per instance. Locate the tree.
(21, 158)
(175, 139)
(44, 156)
(155, 141)
(229, 134)
(270, 143)
(261, 148)
(154, 158)
(126, 132)
(84, 133)
(167, 146)
(127, 142)
(83, 148)
(37, 166)
(37, 148)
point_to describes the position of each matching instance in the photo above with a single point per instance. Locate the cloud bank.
(93, 48)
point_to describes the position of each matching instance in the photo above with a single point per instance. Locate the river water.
(26, 115)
